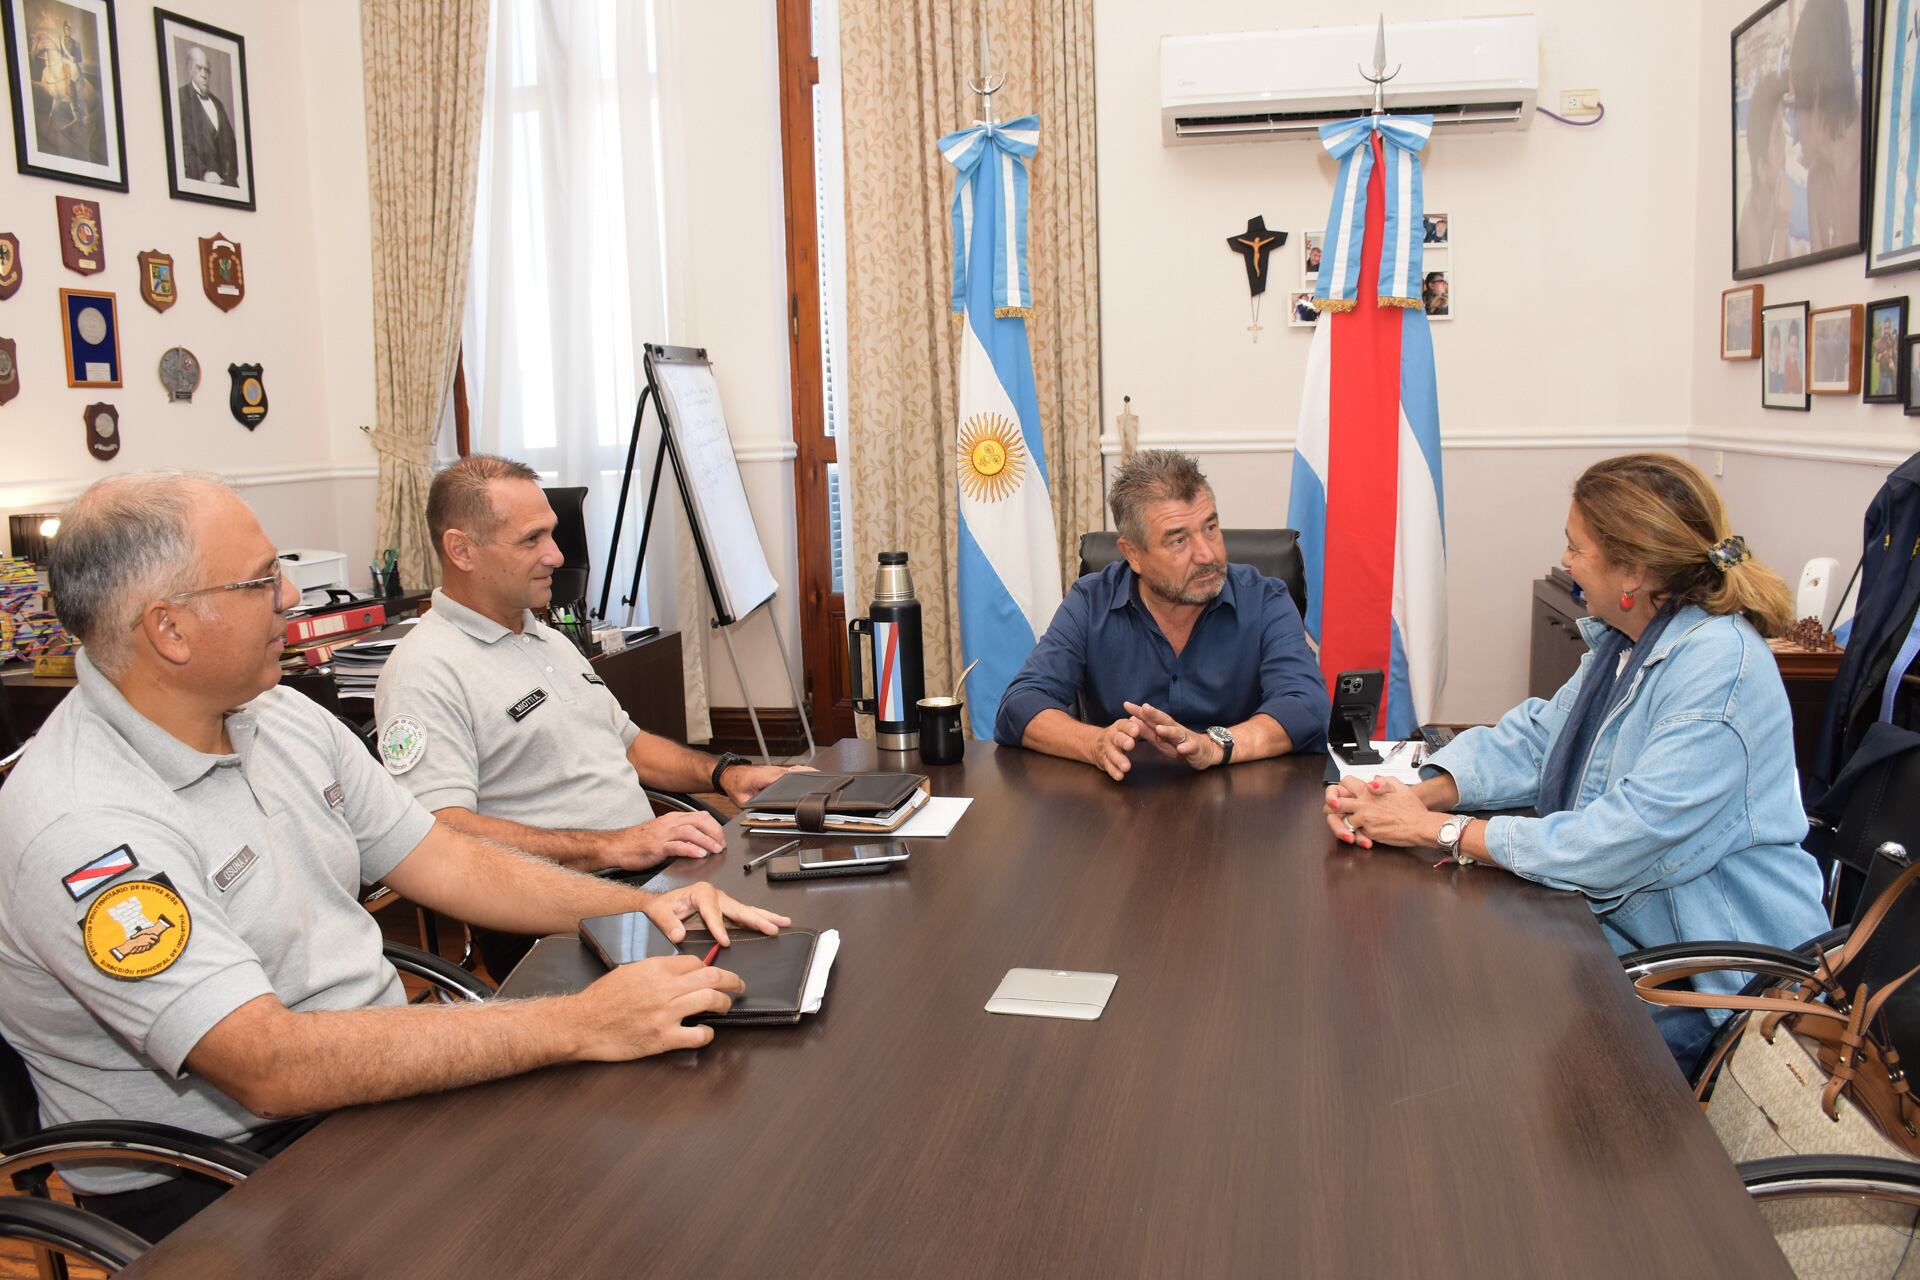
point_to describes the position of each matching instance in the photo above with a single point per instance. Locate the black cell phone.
(625, 938)
(1356, 705)
(838, 860)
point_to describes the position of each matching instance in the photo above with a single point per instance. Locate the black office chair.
(1274, 552)
(13, 744)
(28, 1150)
(55, 1229)
(570, 579)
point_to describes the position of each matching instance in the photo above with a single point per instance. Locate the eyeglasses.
(272, 580)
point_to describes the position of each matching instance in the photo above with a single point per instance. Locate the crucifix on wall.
(1255, 246)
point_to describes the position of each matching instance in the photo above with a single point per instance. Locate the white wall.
(1562, 350)
(305, 255)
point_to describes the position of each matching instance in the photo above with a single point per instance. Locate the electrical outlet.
(1579, 102)
(1719, 464)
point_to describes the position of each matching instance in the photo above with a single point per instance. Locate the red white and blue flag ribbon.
(1366, 493)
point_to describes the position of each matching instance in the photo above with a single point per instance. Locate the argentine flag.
(1009, 564)
(1366, 494)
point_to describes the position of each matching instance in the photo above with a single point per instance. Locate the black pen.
(771, 853)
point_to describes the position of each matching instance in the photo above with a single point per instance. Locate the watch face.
(1222, 736)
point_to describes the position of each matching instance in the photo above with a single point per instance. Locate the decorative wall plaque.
(157, 284)
(9, 371)
(248, 399)
(103, 430)
(180, 373)
(83, 245)
(9, 265)
(221, 273)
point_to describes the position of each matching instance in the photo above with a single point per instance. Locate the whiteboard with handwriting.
(691, 414)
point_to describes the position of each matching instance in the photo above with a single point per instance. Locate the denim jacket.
(1688, 823)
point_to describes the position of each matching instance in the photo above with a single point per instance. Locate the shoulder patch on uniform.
(336, 795)
(521, 709)
(136, 929)
(83, 880)
(402, 742)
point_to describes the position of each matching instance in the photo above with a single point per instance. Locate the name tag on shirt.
(521, 709)
(238, 865)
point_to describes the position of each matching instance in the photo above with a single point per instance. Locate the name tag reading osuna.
(236, 866)
(521, 709)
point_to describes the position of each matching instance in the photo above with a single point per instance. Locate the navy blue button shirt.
(1247, 654)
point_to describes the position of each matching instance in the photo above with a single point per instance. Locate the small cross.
(1254, 329)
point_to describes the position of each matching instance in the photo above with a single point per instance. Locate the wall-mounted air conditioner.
(1471, 74)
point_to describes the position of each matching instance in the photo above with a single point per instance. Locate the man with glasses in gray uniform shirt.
(181, 854)
(498, 724)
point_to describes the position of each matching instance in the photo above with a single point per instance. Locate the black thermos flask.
(889, 638)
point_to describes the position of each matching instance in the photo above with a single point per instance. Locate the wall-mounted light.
(31, 534)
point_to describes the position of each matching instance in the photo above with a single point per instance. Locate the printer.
(319, 575)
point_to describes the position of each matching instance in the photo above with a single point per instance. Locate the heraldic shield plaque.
(9, 371)
(248, 399)
(103, 430)
(82, 245)
(9, 265)
(156, 280)
(221, 273)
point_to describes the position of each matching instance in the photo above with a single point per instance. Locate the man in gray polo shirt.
(181, 851)
(498, 724)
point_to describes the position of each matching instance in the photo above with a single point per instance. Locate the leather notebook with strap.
(853, 801)
(774, 968)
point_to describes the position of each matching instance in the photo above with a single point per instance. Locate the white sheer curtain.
(571, 276)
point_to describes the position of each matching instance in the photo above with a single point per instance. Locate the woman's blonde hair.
(1656, 512)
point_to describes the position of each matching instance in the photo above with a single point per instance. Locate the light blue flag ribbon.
(1404, 229)
(1008, 145)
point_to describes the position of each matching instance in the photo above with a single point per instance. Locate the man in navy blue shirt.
(1170, 648)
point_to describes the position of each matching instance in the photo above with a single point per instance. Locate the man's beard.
(1200, 587)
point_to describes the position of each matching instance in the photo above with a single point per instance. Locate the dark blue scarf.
(1567, 756)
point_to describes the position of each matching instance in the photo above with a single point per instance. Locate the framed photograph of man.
(1799, 133)
(1310, 242)
(1436, 294)
(1836, 337)
(63, 74)
(203, 102)
(1301, 313)
(1909, 364)
(1435, 230)
(1740, 321)
(1884, 379)
(1783, 370)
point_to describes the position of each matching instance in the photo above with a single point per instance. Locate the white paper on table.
(934, 819)
(1403, 761)
(825, 948)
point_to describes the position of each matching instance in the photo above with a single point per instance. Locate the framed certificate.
(90, 331)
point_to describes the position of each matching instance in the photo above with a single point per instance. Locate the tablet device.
(1053, 993)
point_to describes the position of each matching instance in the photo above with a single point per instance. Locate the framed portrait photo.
(1783, 357)
(203, 106)
(63, 76)
(90, 332)
(1909, 362)
(1799, 133)
(1884, 380)
(1301, 313)
(1310, 242)
(1436, 294)
(1835, 333)
(1436, 230)
(1740, 321)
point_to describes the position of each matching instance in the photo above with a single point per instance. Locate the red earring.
(1626, 603)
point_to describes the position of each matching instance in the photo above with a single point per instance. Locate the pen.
(1391, 754)
(712, 951)
(771, 853)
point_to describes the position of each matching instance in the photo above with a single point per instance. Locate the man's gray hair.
(1152, 475)
(124, 541)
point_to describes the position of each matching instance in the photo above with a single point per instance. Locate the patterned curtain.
(904, 71)
(425, 66)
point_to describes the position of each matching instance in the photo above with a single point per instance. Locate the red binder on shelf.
(338, 623)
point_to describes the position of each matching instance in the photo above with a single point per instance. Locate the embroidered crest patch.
(402, 742)
(136, 929)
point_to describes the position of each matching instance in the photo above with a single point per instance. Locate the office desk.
(1318, 1061)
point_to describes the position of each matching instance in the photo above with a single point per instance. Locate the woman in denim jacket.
(1663, 771)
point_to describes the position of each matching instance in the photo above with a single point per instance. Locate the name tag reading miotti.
(522, 708)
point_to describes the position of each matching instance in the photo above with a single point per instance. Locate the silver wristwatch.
(1223, 738)
(1453, 839)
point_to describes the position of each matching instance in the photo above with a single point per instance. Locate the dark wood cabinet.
(1557, 645)
(646, 679)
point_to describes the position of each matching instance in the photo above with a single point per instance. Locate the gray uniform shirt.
(110, 823)
(509, 725)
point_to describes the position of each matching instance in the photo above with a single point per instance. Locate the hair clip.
(1728, 552)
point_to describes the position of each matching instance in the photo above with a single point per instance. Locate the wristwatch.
(726, 761)
(1453, 839)
(1223, 738)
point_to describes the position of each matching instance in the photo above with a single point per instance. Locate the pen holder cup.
(941, 739)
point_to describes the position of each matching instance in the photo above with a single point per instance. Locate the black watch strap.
(726, 761)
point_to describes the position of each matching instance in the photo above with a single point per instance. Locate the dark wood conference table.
(1318, 1061)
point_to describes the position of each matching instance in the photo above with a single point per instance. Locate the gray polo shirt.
(148, 890)
(512, 725)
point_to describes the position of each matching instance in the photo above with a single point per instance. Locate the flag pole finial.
(988, 84)
(1380, 74)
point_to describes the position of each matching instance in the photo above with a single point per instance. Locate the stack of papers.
(357, 666)
(825, 948)
(933, 817)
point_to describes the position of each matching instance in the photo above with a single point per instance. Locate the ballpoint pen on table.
(771, 853)
(712, 951)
